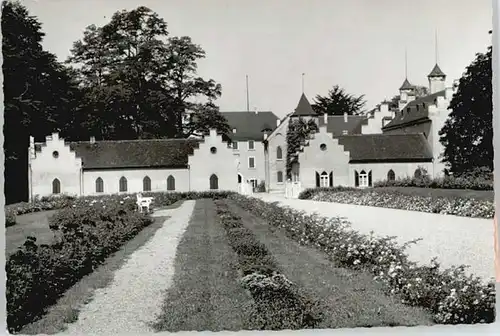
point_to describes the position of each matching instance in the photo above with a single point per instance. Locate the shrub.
(310, 192)
(10, 217)
(477, 179)
(85, 236)
(449, 294)
(261, 187)
(278, 302)
(465, 207)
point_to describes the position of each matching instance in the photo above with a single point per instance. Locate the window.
(239, 178)
(322, 147)
(213, 150)
(345, 132)
(56, 186)
(214, 182)
(324, 180)
(251, 145)
(251, 162)
(235, 145)
(123, 184)
(364, 179)
(280, 177)
(55, 154)
(391, 176)
(170, 183)
(234, 130)
(99, 185)
(279, 153)
(146, 184)
(253, 182)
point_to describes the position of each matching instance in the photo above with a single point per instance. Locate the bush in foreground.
(450, 295)
(38, 274)
(278, 302)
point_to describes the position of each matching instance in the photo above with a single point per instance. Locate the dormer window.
(418, 107)
(345, 132)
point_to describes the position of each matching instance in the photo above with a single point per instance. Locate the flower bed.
(465, 207)
(61, 202)
(450, 295)
(279, 304)
(86, 233)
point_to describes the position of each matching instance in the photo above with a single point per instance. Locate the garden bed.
(399, 198)
(451, 296)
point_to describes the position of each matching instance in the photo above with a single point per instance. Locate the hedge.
(450, 295)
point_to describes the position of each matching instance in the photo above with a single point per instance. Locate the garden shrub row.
(452, 296)
(477, 179)
(466, 207)
(278, 303)
(37, 275)
(64, 201)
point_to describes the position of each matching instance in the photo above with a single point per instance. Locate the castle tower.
(436, 80)
(304, 110)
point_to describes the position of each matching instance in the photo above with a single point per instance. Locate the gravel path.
(453, 240)
(134, 298)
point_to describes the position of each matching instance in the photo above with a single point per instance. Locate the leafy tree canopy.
(338, 102)
(468, 132)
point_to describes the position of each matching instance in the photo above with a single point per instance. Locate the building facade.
(394, 140)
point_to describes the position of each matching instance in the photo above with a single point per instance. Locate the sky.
(356, 44)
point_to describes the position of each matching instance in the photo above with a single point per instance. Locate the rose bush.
(465, 207)
(86, 233)
(449, 294)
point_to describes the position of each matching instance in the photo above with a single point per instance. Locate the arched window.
(214, 182)
(390, 175)
(123, 184)
(363, 179)
(418, 173)
(279, 153)
(280, 176)
(146, 184)
(56, 186)
(324, 179)
(170, 183)
(99, 185)
(239, 178)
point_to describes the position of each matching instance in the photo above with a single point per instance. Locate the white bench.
(144, 203)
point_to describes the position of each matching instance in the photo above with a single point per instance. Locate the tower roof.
(406, 85)
(304, 108)
(436, 72)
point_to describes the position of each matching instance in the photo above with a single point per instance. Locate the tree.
(207, 116)
(338, 102)
(298, 132)
(140, 82)
(467, 134)
(39, 93)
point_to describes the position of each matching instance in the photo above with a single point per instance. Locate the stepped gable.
(386, 148)
(415, 111)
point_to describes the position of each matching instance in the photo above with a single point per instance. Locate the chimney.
(325, 118)
(278, 122)
(92, 139)
(345, 117)
(256, 111)
(265, 135)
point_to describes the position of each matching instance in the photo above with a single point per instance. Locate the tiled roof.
(386, 148)
(164, 153)
(336, 124)
(304, 108)
(436, 72)
(250, 125)
(416, 110)
(406, 85)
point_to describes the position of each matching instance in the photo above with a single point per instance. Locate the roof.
(436, 72)
(415, 111)
(336, 124)
(304, 108)
(164, 153)
(386, 147)
(406, 85)
(250, 125)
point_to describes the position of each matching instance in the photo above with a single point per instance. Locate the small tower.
(436, 80)
(304, 110)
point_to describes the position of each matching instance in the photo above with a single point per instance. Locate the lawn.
(207, 294)
(33, 224)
